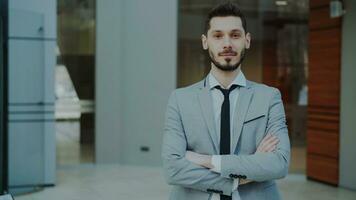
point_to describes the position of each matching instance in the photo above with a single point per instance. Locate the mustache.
(228, 52)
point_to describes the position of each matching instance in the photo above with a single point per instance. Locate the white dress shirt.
(217, 99)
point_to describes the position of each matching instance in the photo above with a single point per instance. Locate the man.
(225, 137)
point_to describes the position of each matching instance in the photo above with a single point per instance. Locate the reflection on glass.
(75, 79)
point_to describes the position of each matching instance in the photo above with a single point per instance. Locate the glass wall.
(75, 81)
(277, 57)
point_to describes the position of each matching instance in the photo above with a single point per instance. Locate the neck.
(225, 78)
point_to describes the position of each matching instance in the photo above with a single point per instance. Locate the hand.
(244, 181)
(268, 144)
(199, 159)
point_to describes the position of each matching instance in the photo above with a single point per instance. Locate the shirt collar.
(240, 80)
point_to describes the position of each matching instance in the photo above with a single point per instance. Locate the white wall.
(135, 73)
(109, 20)
(348, 99)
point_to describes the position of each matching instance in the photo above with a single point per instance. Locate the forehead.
(226, 23)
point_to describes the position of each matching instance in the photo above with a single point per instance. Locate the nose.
(226, 43)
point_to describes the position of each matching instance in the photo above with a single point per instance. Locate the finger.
(271, 148)
(267, 140)
(264, 140)
(266, 137)
(261, 147)
(273, 143)
(266, 149)
(273, 137)
(266, 146)
(272, 140)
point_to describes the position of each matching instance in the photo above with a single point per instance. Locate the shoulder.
(263, 90)
(185, 96)
(188, 90)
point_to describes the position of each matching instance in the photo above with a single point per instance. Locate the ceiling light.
(281, 3)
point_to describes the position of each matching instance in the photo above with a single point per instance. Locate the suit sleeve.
(264, 166)
(177, 169)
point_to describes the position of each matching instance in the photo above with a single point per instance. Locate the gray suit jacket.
(189, 125)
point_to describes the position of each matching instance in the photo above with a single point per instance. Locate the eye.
(217, 36)
(236, 35)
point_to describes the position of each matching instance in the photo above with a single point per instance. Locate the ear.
(204, 42)
(248, 40)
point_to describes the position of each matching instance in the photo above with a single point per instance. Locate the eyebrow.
(234, 30)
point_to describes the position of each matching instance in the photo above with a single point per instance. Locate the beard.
(227, 66)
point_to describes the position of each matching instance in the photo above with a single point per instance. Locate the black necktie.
(225, 126)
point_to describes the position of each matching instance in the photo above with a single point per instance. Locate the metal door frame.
(4, 97)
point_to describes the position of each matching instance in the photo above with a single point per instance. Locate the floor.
(69, 151)
(298, 160)
(113, 182)
(78, 178)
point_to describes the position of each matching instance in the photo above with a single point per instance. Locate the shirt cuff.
(216, 162)
(235, 184)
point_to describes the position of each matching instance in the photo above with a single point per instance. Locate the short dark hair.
(225, 10)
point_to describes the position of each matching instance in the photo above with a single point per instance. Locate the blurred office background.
(85, 83)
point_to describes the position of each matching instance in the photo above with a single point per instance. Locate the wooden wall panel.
(319, 19)
(323, 94)
(272, 74)
(318, 3)
(323, 143)
(322, 125)
(323, 168)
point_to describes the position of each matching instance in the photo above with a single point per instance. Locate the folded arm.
(271, 160)
(177, 169)
(268, 144)
(266, 165)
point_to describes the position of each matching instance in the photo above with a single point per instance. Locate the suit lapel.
(206, 106)
(242, 105)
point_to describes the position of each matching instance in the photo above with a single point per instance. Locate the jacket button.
(232, 175)
(244, 177)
